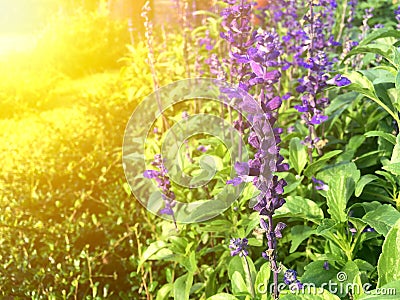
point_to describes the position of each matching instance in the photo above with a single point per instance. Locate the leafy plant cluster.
(71, 230)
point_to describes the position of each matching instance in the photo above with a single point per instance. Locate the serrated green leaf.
(341, 180)
(301, 208)
(382, 219)
(389, 260)
(393, 168)
(297, 155)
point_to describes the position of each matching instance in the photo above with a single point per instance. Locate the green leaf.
(313, 295)
(222, 296)
(387, 136)
(301, 208)
(397, 81)
(151, 250)
(382, 219)
(313, 168)
(238, 284)
(341, 184)
(182, 286)
(298, 234)
(389, 260)
(262, 278)
(393, 168)
(364, 86)
(297, 155)
(378, 34)
(164, 291)
(316, 274)
(387, 51)
(396, 151)
(364, 180)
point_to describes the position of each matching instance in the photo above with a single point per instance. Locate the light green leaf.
(313, 168)
(382, 219)
(389, 260)
(393, 168)
(311, 294)
(297, 155)
(182, 286)
(341, 186)
(164, 291)
(301, 208)
(262, 278)
(396, 151)
(364, 180)
(378, 34)
(238, 283)
(316, 274)
(222, 296)
(298, 234)
(387, 136)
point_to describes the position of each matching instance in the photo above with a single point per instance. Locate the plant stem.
(272, 256)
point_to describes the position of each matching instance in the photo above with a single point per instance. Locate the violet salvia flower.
(290, 278)
(239, 246)
(319, 184)
(397, 16)
(207, 41)
(163, 183)
(352, 13)
(318, 64)
(326, 265)
(255, 60)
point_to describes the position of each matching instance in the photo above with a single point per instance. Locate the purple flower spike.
(239, 247)
(341, 80)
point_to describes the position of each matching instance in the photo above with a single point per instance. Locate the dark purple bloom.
(326, 265)
(397, 16)
(239, 246)
(290, 276)
(163, 183)
(368, 229)
(341, 80)
(319, 184)
(278, 228)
